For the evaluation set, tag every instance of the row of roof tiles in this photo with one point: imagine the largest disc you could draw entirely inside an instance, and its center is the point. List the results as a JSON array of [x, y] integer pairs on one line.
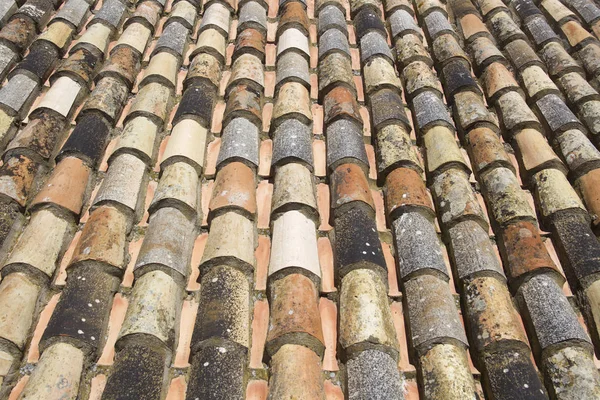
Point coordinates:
[[297, 339]]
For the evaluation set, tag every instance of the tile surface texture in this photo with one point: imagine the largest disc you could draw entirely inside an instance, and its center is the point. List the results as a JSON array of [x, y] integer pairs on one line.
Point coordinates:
[[299, 199]]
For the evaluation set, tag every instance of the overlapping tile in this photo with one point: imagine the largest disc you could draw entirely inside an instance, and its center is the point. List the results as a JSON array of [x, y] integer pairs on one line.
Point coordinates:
[[555, 199], [309, 200]]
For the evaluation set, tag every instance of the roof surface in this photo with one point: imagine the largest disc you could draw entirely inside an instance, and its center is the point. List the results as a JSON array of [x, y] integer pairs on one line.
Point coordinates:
[[299, 199]]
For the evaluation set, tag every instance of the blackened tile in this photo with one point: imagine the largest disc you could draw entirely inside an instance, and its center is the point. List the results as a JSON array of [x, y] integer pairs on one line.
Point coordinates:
[[197, 102], [139, 372], [457, 77], [218, 373], [88, 140], [367, 20], [357, 242], [510, 374], [224, 308], [39, 62], [84, 307]]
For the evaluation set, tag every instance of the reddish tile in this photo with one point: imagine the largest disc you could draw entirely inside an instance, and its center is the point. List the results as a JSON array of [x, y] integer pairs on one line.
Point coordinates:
[[404, 187], [267, 113], [524, 250], [294, 312], [360, 90], [107, 153], [271, 31], [355, 56], [34, 352], [86, 214], [66, 186], [312, 33], [260, 324], [340, 102], [97, 387], [348, 184], [177, 389], [217, 119], [351, 34], [61, 277], [207, 190], [262, 254], [263, 198], [326, 261], [234, 187], [314, 56], [323, 205], [225, 75], [186, 327], [134, 250], [398, 317], [372, 166], [161, 151], [233, 30], [379, 209], [394, 290], [314, 87], [364, 113], [273, 8], [257, 390], [229, 53], [317, 112], [16, 392], [149, 196], [271, 52], [411, 390], [319, 155], [269, 83], [266, 153], [328, 311], [333, 392], [117, 315], [199, 244], [212, 152]]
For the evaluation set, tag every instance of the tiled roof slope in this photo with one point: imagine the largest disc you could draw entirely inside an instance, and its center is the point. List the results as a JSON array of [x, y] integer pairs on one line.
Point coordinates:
[[299, 199]]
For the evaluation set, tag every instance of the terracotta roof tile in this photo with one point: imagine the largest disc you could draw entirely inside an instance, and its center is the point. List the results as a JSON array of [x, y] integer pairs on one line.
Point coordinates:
[[256, 260]]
